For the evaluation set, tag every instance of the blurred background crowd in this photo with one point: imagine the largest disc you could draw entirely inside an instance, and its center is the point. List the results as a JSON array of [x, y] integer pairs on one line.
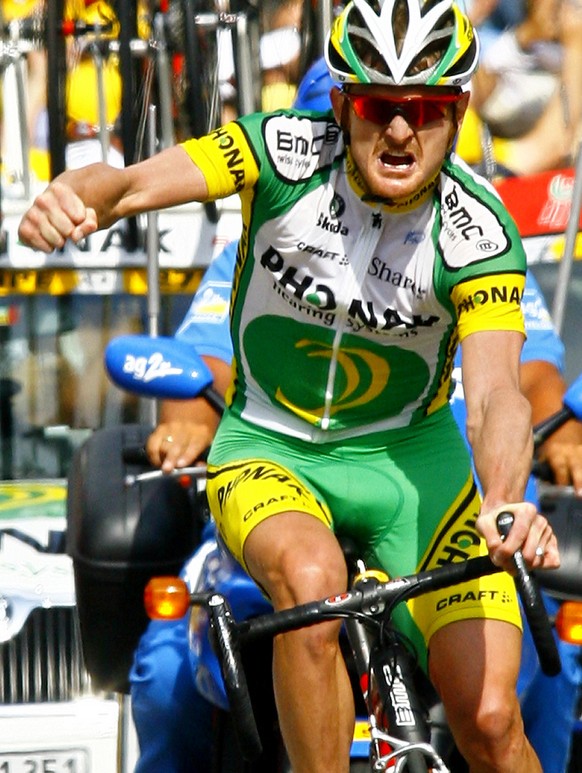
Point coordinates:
[[526, 105]]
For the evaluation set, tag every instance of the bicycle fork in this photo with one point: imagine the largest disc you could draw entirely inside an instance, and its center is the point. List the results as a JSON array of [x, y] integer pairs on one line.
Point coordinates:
[[399, 728]]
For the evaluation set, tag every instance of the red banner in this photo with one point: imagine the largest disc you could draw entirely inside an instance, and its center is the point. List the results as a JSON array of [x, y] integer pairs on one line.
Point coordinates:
[[540, 204]]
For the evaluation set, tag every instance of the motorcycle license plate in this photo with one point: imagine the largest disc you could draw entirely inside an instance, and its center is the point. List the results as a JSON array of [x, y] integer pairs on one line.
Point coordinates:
[[61, 761]]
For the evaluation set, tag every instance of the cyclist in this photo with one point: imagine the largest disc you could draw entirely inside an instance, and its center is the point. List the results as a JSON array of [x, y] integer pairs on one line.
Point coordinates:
[[368, 251], [164, 700]]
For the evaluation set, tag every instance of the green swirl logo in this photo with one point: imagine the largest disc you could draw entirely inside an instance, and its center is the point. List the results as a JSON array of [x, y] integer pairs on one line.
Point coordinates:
[[291, 360]]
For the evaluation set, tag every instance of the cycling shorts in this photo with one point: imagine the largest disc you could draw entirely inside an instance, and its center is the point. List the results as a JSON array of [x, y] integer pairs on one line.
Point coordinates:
[[406, 497]]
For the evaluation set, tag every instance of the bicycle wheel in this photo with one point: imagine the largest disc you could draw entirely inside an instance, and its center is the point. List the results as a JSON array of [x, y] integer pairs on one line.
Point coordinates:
[[56, 77], [127, 15]]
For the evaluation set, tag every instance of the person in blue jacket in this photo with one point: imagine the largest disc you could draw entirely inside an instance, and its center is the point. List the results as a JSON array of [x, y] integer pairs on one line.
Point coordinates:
[[172, 719]]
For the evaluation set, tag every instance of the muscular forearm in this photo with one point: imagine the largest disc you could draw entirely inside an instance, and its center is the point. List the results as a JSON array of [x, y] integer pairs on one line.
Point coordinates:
[[501, 441], [502, 446], [166, 179], [571, 39], [544, 387]]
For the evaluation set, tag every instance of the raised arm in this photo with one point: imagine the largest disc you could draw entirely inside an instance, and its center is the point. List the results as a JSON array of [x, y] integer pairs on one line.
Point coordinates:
[[80, 201], [499, 431]]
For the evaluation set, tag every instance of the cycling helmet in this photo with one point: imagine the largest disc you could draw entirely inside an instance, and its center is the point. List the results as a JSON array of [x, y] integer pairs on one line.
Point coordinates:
[[402, 43], [313, 91]]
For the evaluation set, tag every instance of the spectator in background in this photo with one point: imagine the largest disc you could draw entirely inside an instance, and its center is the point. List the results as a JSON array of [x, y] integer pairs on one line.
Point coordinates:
[[528, 90]]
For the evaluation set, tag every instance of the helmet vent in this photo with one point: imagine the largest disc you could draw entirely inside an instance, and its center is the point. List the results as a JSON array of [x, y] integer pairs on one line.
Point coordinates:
[[400, 23], [365, 46]]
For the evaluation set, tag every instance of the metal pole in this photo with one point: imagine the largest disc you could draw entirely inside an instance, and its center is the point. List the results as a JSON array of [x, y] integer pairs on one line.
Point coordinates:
[[20, 72], [246, 79], [123, 720], [127, 15], [153, 242], [153, 245], [324, 20], [164, 71], [97, 55], [565, 270]]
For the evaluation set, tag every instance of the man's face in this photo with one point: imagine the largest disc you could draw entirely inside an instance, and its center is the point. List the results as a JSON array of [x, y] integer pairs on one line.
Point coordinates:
[[398, 136]]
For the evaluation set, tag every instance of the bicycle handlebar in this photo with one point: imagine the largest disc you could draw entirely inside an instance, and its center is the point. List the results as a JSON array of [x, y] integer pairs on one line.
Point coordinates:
[[376, 599], [533, 606], [230, 635]]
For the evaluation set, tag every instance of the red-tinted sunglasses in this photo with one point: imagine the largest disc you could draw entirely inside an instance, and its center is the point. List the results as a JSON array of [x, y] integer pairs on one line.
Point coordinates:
[[416, 110]]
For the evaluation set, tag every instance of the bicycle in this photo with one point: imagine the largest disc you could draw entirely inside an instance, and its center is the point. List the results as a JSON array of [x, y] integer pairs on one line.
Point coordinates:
[[399, 728]]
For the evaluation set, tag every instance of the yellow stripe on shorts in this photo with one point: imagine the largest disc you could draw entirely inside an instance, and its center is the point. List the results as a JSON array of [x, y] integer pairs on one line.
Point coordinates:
[[243, 494], [457, 539]]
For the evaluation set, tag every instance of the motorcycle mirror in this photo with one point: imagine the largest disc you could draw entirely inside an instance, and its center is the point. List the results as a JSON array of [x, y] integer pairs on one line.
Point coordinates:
[[161, 367]]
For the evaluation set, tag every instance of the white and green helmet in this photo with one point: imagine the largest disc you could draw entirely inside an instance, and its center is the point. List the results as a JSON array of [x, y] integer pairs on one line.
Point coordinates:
[[402, 43]]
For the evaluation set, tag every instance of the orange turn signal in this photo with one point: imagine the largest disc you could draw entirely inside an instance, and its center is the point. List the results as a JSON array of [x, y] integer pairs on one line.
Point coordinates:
[[569, 622], [166, 598]]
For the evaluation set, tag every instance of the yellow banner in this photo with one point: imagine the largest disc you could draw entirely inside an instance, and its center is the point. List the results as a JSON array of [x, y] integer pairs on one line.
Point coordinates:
[[48, 281]]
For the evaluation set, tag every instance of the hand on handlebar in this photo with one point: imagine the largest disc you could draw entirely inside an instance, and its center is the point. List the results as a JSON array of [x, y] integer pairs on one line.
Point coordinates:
[[56, 215], [531, 533], [176, 444]]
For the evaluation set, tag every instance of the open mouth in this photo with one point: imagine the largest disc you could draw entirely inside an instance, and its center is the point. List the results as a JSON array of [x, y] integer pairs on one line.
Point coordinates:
[[397, 160]]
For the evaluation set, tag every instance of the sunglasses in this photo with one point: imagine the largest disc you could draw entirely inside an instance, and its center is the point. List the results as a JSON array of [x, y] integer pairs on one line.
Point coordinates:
[[417, 111]]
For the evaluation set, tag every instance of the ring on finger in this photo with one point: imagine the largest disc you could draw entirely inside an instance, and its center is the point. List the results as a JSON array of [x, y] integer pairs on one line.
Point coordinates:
[[540, 551], [169, 438]]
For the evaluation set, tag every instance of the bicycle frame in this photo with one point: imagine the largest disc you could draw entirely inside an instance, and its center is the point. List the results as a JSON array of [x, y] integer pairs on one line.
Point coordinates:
[[363, 603], [385, 669]]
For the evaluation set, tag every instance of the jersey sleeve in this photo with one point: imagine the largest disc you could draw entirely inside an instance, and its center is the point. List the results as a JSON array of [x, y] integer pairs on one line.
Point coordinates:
[[483, 259], [490, 302], [226, 159], [206, 323]]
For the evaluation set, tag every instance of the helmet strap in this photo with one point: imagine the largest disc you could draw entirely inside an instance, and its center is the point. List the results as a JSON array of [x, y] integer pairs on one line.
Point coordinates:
[[345, 121]]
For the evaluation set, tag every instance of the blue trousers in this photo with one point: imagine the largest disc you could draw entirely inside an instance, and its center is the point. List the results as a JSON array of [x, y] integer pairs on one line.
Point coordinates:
[[173, 721], [549, 704]]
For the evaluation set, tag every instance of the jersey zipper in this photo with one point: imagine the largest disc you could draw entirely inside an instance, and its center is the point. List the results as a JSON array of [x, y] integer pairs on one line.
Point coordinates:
[[362, 254]]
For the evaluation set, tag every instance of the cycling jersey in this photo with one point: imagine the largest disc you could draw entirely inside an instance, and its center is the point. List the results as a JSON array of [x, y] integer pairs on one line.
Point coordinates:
[[346, 312], [205, 325]]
